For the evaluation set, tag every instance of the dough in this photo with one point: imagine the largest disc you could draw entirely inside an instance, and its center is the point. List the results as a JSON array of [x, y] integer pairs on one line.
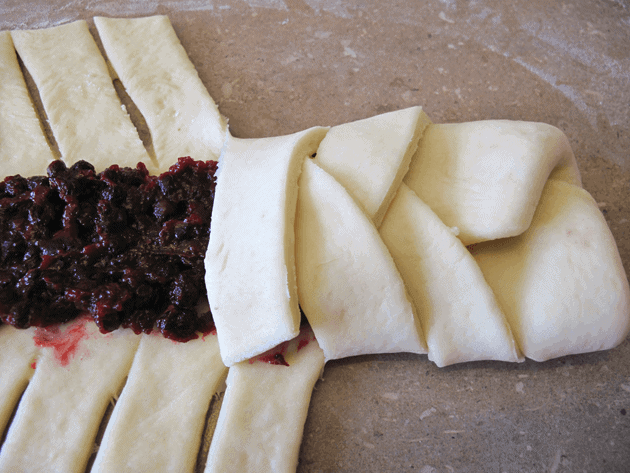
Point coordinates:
[[58, 417], [459, 313], [561, 284], [158, 420], [263, 413], [250, 262], [17, 353], [84, 112], [348, 285], [370, 157], [23, 146], [163, 83], [485, 178]]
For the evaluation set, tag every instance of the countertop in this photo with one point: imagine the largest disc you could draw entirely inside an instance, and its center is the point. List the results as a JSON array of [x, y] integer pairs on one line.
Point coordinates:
[[278, 66]]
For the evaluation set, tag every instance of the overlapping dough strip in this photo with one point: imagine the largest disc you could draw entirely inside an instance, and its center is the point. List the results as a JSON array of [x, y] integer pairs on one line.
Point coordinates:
[[84, 112]]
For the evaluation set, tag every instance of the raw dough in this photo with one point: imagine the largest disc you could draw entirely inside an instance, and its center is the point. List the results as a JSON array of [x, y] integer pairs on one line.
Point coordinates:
[[158, 420], [263, 413], [485, 178], [58, 417], [370, 157], [17, 353], [250, 262], [84, 112], [561, 284], [23, 146], [163, 83], [459, 313], [348, 285]]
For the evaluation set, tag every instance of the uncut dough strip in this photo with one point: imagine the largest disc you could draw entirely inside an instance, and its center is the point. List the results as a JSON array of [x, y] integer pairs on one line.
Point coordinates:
[[561, 283], [349, 288], [17, 352], [370, 157], [263, 413], [158, 76], [459, 313], [486, 177], [162, 407], [84, 112], [23, 146], [59, 415], [250, 262]]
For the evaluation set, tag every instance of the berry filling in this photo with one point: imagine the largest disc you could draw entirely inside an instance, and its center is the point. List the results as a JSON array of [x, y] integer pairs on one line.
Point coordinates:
[[123, 246]]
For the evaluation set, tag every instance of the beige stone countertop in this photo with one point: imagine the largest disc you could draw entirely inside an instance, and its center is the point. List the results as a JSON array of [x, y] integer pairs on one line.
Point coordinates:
[[278, 66]]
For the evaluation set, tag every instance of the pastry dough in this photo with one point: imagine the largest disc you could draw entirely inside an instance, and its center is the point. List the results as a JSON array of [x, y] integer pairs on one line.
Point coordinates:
[[370, 157], [17, 353], [348, 285], [58, 417], [163, 83], [263, 413], [158, 420], [561, 284], [485, 178], [23, 146], [459, 313], [250, 262], [84, 112]]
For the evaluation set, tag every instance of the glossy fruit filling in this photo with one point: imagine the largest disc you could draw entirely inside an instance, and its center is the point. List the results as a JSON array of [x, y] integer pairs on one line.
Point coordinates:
[[123, 246]]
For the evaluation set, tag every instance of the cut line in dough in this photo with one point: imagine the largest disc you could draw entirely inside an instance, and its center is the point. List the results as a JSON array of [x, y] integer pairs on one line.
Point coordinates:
[[85, 114]]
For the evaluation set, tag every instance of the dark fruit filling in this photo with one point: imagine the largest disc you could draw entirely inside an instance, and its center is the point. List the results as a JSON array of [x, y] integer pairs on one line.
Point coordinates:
[[121, 245]]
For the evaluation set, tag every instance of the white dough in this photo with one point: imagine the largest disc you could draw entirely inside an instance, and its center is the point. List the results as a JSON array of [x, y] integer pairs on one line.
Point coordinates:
[[159, 417], [459, 313], [84, 112], [370, 157], [349, 287], [163, 83], [17, 353], [58, 417], [23, 146], [250, 262], [263, 413], [561, 284], [485, 178]]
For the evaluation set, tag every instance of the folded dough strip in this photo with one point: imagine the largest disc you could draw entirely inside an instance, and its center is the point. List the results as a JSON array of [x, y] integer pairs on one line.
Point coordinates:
[[460, 316], [348, 285], [250, 262], [370, 157], [23, 146], [561, 283], [485, 178], [158, 420], [163, 83], [83, 109], [58, 417], [263, 413], [17, 354]]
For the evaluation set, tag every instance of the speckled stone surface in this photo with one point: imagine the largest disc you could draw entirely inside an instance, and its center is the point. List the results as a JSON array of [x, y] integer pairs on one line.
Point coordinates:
[[278, 66]]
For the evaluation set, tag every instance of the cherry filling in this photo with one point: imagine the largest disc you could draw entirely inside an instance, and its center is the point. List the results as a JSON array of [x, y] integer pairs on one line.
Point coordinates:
[[123, 246]]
